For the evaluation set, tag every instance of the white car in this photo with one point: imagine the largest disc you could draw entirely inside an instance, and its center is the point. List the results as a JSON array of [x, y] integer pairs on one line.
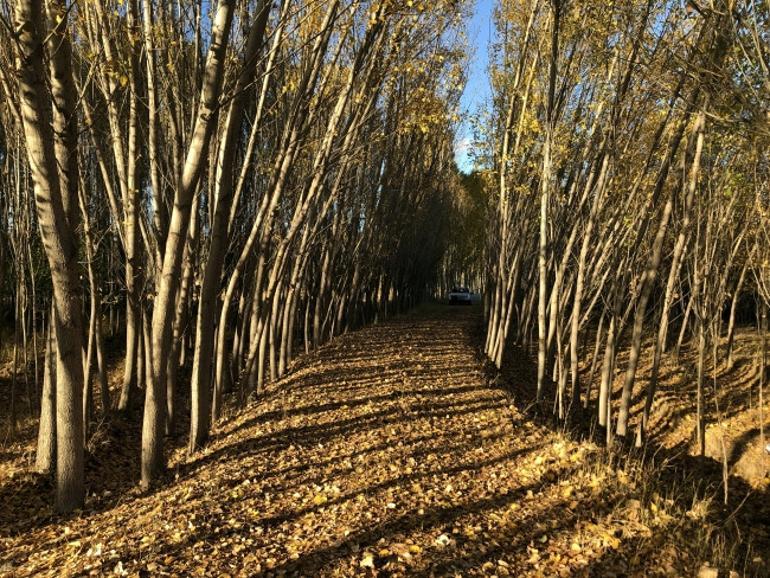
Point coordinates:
[[460, 296]]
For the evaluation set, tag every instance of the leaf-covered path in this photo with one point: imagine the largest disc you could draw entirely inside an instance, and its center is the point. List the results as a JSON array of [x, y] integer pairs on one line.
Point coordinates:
[[386, 452]]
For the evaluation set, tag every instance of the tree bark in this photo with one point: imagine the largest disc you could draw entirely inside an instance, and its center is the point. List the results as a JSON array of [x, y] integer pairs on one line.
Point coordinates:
[[154, 423], [57, 215]]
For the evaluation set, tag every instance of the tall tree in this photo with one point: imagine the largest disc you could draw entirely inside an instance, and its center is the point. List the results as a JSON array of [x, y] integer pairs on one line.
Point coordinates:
[[50, 131]]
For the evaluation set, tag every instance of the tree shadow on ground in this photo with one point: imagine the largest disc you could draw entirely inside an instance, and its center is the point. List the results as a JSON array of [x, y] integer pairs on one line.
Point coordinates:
[[740, 526], [440, 518], [254, 491], [309, 435], [111, 475], [113, 454]]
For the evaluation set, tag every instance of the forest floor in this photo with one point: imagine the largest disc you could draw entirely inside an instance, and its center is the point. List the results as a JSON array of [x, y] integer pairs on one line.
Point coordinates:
[[392, 451]]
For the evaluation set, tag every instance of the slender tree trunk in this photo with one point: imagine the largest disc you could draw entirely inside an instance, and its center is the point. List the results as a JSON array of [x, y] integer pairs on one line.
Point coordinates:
[[545, 191], [154, 423], [45, 460], [733, 309], [608, 366], [204, 340], [594, 360], [57, 215], [648, 280]]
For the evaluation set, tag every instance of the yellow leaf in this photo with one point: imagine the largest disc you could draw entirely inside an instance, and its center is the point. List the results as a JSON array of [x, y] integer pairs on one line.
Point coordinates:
[[367, 561], [320, 499]]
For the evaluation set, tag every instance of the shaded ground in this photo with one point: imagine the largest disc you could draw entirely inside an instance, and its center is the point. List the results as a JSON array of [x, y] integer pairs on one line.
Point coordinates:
[[386, 452]]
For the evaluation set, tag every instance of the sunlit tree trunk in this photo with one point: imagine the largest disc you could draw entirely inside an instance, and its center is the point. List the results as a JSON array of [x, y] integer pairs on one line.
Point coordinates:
[[154, 423], [51, 143]]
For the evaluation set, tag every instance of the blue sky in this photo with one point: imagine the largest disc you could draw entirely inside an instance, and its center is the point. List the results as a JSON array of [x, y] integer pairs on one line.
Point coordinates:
[[477, 90]]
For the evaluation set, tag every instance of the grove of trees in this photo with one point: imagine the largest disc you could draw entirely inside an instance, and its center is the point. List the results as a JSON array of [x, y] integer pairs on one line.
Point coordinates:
[[196, 192], [215, 186], [627, 149]]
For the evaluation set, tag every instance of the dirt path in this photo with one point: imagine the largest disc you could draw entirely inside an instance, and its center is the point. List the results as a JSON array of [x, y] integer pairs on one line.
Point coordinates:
[[386, 452]]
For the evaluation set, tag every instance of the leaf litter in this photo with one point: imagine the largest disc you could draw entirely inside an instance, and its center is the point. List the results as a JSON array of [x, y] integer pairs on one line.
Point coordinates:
[[387, 452]]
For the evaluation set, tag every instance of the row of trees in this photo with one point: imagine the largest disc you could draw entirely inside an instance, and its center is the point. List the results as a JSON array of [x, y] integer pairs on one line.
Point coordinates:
[[628, 143], [244, 179]]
